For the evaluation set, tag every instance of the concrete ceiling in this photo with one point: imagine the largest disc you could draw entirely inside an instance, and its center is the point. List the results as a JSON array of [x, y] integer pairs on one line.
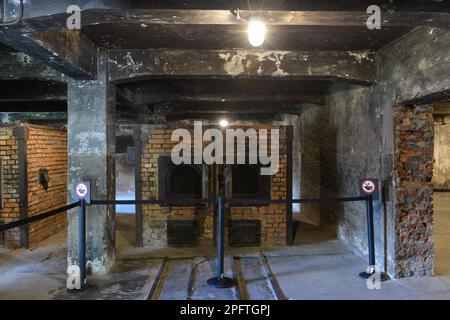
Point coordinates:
[[329, 35], [238, 98], [223, 87]]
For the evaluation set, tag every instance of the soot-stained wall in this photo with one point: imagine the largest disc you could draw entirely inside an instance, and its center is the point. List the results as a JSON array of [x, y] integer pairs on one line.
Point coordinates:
[[341, 143], [360, 132]]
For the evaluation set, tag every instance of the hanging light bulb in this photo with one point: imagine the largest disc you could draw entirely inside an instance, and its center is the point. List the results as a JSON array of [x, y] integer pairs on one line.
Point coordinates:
[[256, 32], [224, 123]]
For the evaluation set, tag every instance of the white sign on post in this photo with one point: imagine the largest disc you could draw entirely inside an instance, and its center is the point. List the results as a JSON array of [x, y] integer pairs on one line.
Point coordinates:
[[83, 191], [369, 187]]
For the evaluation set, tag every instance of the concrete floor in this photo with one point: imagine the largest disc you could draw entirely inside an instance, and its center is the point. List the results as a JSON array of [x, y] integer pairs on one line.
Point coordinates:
[[317, 267]]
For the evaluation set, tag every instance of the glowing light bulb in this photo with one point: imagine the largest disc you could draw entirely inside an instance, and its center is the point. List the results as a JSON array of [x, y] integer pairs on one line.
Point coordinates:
[[224, 123], [256, 32]]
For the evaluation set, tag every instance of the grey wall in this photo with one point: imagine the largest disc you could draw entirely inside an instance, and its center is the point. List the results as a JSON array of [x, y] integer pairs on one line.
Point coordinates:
[[417, 66], [91, 149], [352, 137], [413, 70], [312, 139], [342, 142], [354, 134]]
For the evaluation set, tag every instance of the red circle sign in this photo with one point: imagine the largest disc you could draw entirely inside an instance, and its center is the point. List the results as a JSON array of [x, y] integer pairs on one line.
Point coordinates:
[[368, 186], [82, 190]]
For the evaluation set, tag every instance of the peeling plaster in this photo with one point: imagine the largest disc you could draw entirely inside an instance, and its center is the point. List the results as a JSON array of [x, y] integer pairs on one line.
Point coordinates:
[[86, 145], [130, 64], [361, 56], [236, 64], [278, 59], [233, 66]]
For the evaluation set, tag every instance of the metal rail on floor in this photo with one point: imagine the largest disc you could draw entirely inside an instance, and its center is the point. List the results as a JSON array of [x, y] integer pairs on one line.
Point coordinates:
[[219, 281]]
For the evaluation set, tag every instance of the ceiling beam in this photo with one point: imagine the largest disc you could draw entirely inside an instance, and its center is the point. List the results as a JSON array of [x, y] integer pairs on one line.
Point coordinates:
[[38, 8], [126, 65], [44, 117], [34, 106], [18, 65], [275, 18], [265, 117], [238, 90], [19, 90], [39, 15], [231, 98], [68, 51], [144, 97], [250, 108]]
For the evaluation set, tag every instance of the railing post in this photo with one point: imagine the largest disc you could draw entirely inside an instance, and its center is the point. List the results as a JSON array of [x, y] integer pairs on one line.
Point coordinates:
[[82, 242], [370, 238], [220, 252], [220, 281]]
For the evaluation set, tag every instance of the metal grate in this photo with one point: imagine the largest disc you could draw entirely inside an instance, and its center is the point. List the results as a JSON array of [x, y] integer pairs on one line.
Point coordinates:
[[245, 233], [182, 233]]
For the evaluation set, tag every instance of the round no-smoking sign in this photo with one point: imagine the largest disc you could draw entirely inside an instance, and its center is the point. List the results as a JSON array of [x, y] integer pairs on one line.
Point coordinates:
[[82, 190], [369, 187]]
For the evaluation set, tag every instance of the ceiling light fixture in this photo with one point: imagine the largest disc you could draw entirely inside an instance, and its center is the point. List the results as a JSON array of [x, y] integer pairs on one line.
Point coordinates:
[[224, 123], [256, 32]]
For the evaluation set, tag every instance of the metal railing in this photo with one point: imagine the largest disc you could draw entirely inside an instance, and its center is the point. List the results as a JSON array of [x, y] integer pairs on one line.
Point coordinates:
[[167, 202], [220, 203], [42, 216], [220, 281]]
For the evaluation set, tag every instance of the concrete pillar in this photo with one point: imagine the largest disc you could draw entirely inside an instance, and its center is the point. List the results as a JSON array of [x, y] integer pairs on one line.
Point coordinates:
[[91, 144]]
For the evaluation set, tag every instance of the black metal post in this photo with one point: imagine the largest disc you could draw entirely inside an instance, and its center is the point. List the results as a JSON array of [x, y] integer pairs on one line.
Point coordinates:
[[220, 281], [370, 238], [82, 242]]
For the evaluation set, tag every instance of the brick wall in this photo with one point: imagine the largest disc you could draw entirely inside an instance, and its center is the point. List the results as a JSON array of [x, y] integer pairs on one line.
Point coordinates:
[[156, 142], [11, 208], [272, 217], [46, 149], [413, 172]]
